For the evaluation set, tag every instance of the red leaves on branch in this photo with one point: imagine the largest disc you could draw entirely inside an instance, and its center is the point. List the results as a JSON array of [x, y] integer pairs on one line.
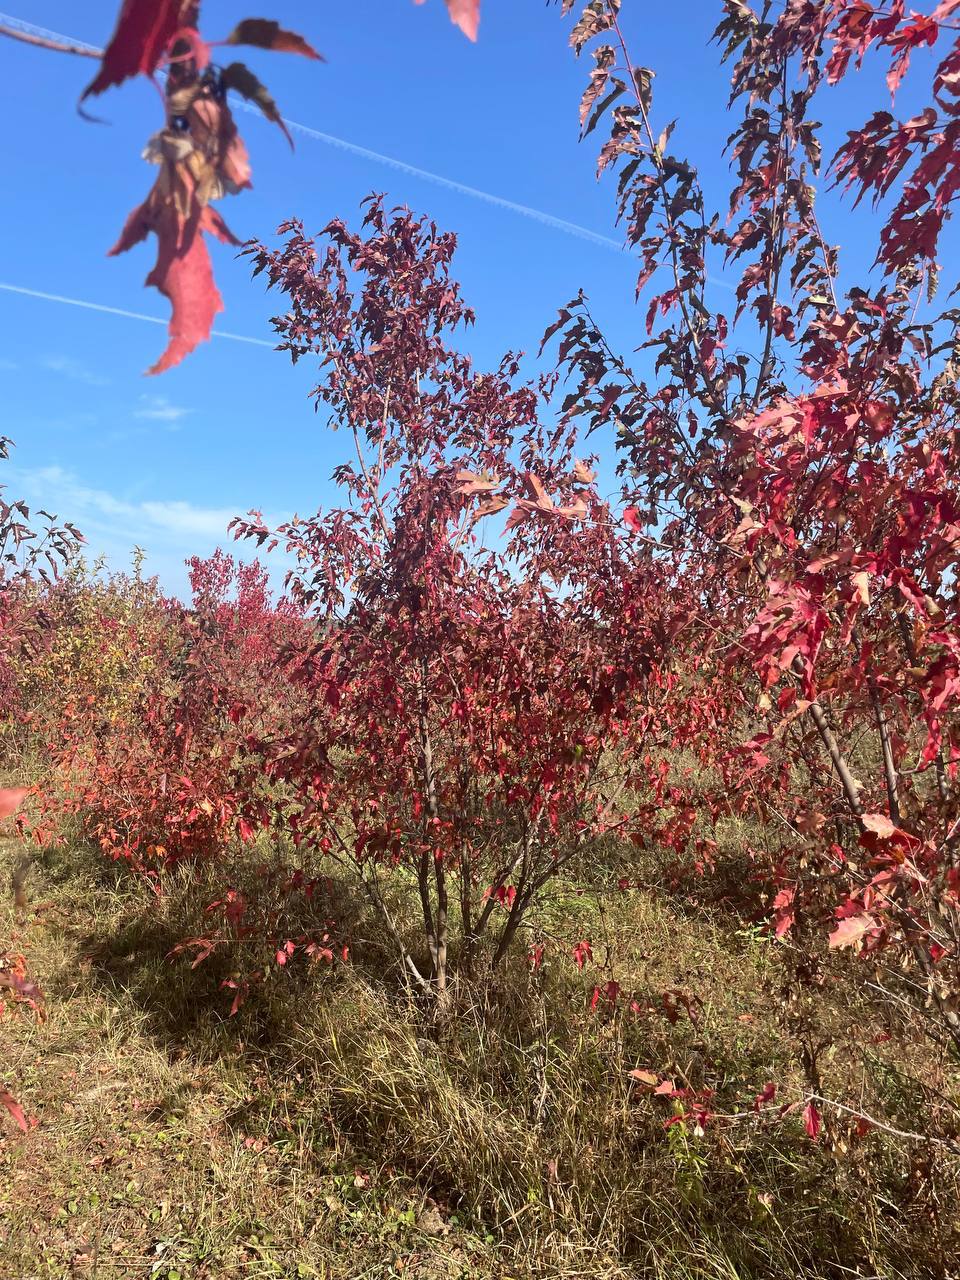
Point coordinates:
[[468, 690], [199, 151], [797, 463]]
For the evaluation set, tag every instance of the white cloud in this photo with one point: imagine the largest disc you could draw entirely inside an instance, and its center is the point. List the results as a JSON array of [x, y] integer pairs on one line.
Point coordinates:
[[75, 369], [177, 518], [167, 529], [159, 409]]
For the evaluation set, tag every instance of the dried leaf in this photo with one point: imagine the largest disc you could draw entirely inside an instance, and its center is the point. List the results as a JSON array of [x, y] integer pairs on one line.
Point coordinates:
[[241, 79], [266, 34]]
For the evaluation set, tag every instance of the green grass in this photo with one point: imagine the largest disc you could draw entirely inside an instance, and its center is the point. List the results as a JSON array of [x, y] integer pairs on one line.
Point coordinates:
[[331, 1130]]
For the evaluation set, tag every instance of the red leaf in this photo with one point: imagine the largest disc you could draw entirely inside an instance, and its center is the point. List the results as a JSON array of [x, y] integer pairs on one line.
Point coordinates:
[[851, 930], [811, 1121], [143, 32], [11, 798], [880, 824], [183, 271], [466, 15], [21, 985], [9, 1101], [766, 1094], [266, 34]]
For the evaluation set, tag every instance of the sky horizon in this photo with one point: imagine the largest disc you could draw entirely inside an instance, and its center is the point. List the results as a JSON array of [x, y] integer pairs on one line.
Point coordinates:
[[483, 138]]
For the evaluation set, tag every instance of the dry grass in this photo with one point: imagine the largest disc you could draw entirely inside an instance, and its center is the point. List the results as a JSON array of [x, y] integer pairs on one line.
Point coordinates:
[[331, 1130]]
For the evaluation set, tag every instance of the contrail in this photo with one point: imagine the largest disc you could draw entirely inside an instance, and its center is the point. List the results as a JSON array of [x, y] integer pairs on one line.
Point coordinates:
[[365, 153], [451, 184], [118, 311], [550, 220]]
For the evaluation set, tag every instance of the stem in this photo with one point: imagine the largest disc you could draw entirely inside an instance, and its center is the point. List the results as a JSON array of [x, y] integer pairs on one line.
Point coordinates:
[[46, 42], [847, 780], [889, 766]]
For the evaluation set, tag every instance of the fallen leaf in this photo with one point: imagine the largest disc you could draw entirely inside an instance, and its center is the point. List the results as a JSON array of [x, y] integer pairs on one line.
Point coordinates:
[[644, 1077], [9, 1101]]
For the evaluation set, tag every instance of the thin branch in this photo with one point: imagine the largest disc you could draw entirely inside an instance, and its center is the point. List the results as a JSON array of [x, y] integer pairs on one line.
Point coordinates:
[[43, 42], [886, 1128]]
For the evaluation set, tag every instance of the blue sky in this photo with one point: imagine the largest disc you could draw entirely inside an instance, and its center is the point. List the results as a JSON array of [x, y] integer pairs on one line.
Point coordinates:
[[165, 462]]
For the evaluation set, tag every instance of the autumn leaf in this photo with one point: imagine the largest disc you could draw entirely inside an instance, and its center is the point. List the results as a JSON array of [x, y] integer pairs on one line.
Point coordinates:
[[811, 1121], [465, 14], [468, 483], [879, 824], [861, 586], [21, 986], [851, 930], [266, 34], [183, 271], [143, 33], [765, 1096], [9, 1101], [644, 1077], [11, 798], [242, 80]]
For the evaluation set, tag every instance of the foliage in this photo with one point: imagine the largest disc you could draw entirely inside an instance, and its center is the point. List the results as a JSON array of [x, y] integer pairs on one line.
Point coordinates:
[[152, 762], [805, 482], [27, 555], [471, 702], [199, 152], [487, 677]]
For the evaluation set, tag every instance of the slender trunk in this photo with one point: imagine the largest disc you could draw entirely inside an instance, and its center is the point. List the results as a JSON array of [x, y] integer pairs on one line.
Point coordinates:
[[851, 791], [435, 920], [889, 765]]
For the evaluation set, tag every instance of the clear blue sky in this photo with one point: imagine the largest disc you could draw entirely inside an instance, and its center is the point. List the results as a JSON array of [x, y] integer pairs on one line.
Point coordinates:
[[165, 462]]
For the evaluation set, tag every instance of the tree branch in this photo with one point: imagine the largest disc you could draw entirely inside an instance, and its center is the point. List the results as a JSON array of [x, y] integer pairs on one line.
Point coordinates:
[[45, 42]]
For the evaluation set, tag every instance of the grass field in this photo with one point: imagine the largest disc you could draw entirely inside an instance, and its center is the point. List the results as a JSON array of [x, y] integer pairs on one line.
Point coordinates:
[[328, 1130]]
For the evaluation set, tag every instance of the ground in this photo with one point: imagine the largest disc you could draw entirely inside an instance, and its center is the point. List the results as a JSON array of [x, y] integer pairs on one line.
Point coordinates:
[[325, 1132]]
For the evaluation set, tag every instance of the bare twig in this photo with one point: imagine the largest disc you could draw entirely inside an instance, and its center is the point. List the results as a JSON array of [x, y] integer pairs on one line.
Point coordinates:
[[45, 42]]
